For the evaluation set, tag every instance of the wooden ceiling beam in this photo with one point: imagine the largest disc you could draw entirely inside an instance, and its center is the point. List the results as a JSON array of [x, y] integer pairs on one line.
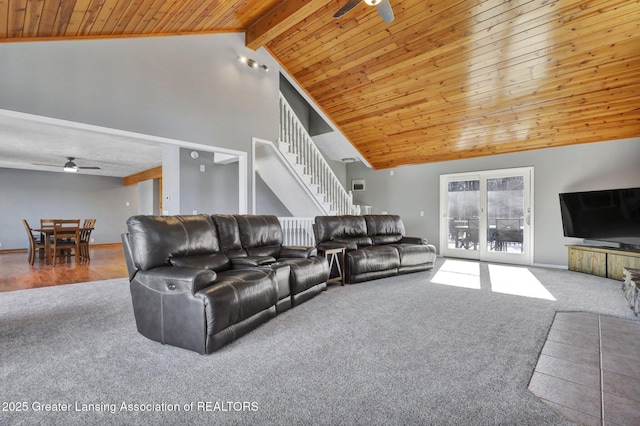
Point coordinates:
[[283, 16], [154, 173]]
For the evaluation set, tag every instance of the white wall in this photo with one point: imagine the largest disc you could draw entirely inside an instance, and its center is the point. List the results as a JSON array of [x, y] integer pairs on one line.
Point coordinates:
[[214, 190], [35, 195], [148, 197], [592, 166], [170, 180]]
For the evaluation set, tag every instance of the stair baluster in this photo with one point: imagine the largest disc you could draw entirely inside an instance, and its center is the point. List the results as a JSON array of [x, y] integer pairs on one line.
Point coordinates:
[[309, 161]]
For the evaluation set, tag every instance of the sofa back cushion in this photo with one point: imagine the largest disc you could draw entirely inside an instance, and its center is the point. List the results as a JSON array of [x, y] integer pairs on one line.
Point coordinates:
[[347, 229], [384, 229], [261, 235], [229, 235], [156, 239]]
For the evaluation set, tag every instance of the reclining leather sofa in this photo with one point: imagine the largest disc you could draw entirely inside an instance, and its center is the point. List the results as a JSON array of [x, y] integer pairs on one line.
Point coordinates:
[[376, 246], [199, 282]]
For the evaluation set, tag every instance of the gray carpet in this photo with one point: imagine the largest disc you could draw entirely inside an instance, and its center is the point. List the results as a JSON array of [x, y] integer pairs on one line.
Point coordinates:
[[395, 351]]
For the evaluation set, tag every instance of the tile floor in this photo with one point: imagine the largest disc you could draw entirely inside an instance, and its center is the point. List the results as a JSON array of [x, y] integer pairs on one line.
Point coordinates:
[[589, 369]]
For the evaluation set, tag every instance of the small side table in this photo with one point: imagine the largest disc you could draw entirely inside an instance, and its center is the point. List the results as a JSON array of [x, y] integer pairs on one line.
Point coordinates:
[[335, 256]]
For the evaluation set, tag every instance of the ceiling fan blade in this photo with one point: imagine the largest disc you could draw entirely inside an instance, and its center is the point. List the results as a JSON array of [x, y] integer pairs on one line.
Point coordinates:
[[71, 165], [47, 165], [385, 11], [346, 8]]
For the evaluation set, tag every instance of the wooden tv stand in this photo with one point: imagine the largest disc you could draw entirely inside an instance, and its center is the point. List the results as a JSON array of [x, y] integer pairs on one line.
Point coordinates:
[[602, 261]]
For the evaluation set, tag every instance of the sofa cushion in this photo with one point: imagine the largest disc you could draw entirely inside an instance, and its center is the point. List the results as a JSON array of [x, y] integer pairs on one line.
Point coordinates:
[[414, 254], [260, 235], [351, 231], [372, 259], [229, 235], [306, 273], [384, 229], [154, 239], [236, 296], [213, 261]]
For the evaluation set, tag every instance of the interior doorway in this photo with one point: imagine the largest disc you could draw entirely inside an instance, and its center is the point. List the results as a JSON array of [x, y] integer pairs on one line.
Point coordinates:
[[488, 215]]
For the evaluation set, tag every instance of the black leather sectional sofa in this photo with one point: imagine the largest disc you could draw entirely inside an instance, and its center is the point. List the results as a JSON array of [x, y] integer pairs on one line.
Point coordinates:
[[376, 246], [199, 282]]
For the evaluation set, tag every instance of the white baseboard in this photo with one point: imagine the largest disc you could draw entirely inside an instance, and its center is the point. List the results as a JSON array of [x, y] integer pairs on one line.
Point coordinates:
[[549, 265]]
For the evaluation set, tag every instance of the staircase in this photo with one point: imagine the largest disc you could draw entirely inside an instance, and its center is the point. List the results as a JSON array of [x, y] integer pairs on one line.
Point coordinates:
[[297, 173]]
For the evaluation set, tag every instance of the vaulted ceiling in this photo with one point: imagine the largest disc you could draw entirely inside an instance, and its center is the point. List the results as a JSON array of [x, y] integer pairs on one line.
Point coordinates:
[[447, 79]]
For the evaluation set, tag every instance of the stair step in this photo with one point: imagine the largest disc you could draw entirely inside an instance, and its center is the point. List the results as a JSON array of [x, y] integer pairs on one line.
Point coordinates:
[[291, 158], [284, 147]]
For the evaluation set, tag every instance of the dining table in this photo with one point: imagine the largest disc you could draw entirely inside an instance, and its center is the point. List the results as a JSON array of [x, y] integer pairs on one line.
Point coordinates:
[[46, 236]]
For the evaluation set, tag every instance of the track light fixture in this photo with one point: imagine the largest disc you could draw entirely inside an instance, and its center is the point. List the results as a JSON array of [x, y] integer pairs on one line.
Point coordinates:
[[252, 63]]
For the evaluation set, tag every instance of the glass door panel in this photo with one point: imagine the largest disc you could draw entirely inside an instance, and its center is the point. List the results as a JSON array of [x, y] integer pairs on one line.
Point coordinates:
[[505, 214], [508, 215], [463, 217]]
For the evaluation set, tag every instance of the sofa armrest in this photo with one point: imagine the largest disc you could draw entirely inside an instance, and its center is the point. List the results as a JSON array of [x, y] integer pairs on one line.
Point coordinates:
[[176, 279], [328, 245], [251, 261], [414, 240], [298, 252]]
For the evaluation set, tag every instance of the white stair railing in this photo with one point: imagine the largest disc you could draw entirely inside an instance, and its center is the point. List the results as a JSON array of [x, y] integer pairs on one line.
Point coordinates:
[[297, 231], [318, 172]]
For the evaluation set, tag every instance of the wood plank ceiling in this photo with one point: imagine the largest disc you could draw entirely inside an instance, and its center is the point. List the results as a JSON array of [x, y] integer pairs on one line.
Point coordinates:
[[447, 79]]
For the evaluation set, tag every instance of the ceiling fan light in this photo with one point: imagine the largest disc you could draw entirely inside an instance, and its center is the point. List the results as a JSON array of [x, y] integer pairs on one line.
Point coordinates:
[[372, 2], [70, 166]]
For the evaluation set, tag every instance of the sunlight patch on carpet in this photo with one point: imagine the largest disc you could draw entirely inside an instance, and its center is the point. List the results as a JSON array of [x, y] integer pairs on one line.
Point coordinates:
[[458, 274], [517, 281]]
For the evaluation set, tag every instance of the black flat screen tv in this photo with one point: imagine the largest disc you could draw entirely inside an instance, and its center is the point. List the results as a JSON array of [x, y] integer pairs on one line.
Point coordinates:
[[608, 216]]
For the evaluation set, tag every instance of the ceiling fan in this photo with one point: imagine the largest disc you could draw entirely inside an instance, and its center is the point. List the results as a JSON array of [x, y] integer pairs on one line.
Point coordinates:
[[69, 166], [383, 6]]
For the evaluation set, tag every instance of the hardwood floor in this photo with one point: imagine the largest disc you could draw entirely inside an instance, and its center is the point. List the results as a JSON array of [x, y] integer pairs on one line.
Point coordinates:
[[107, 262]]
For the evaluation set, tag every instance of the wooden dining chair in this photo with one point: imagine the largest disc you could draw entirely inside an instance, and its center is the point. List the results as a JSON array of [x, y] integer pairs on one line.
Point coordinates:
[[47, 223], [85, 238], [66, 238], [35, 243]]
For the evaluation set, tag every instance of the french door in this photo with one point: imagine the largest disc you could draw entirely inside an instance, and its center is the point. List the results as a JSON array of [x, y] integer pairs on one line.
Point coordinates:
[[488, 215]]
